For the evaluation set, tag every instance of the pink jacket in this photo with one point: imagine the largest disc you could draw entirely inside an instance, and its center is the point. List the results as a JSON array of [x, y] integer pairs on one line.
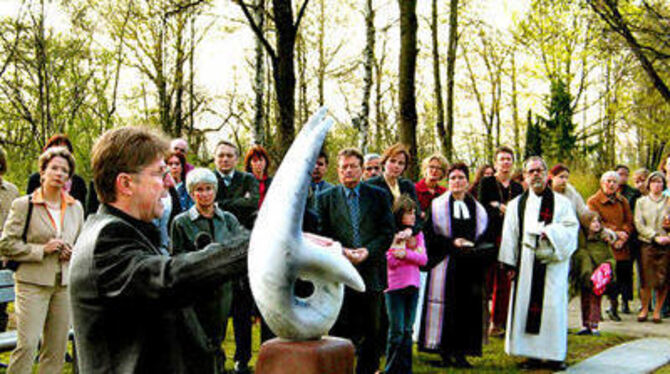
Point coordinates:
[[405, 272]]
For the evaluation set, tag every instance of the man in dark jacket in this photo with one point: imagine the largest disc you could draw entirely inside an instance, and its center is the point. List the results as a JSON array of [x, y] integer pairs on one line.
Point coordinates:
[[238, 194], [358, 215], [132, 303]]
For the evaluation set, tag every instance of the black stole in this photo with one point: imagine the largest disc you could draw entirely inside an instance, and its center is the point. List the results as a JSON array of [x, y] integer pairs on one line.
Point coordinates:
[[534, 317]]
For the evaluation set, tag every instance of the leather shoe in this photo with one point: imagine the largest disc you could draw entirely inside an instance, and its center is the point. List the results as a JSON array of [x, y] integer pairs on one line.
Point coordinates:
[[614, 316], [585, 331], [530, 364], [496, 332], [657, 320], [642, 318], [556, 365], [461, 362]]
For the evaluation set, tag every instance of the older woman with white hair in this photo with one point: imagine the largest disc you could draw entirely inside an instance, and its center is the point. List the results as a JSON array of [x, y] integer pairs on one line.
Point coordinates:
[[617, 216], [191, 231]]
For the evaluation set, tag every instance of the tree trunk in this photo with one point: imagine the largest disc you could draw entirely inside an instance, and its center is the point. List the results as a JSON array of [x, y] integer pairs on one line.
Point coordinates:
[[437, 79], [284, 73], [179, 76], [321, 71], [451, 71], [516, 131], [406, 77], [362, 121], [259, 82]]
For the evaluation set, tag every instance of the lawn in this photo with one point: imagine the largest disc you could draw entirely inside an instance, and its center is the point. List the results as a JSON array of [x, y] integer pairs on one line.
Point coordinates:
[[493, 360]]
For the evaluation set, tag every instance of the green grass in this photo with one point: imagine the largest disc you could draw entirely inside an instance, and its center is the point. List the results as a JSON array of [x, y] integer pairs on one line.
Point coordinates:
[[493, 359]]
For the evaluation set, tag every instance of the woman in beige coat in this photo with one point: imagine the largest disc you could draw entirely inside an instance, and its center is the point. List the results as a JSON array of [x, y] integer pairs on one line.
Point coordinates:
[[43, 253], [652, 223]]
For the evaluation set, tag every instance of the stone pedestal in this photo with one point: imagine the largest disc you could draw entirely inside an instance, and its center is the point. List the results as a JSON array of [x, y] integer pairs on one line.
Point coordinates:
[[329, 355]]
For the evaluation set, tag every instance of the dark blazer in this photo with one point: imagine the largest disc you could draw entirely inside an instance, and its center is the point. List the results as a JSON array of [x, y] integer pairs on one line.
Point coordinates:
[[132, 305], [240, 198], [406, 187], [92, 202], [78, 190], [376, 228]]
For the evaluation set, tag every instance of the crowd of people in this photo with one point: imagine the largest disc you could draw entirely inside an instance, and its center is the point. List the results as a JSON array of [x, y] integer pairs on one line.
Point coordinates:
[[447, 263]]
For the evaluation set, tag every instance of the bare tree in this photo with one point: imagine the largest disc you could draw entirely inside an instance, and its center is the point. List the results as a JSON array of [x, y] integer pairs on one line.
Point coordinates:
[[648, 42], [362, 120], [282, 58], [406, 80]]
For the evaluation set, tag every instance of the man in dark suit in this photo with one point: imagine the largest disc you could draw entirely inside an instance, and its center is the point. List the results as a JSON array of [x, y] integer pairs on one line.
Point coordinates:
[[318, 183], [359, 216], [238, 194]]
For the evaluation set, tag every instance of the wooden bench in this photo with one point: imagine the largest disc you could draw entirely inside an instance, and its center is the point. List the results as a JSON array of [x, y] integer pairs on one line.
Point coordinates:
[[9, 338]]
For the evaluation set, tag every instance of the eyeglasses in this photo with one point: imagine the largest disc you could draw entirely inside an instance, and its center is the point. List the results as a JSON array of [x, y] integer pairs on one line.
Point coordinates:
[[535, 171], [371, 168]]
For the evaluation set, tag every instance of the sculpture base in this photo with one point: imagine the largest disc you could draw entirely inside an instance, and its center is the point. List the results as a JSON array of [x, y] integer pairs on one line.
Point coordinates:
[[329, 355]]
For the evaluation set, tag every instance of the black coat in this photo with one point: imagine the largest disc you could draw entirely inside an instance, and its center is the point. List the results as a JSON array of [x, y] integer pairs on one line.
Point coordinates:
[[407, 187], [376, 228], [240, 198], [491, 190], [132, 304]]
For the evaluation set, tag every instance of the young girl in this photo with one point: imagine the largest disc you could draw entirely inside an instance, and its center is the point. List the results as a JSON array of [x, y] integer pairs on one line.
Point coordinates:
[[406, 254]]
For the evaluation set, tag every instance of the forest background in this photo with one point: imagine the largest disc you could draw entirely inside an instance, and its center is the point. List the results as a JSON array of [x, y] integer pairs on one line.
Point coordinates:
[[584, 81]]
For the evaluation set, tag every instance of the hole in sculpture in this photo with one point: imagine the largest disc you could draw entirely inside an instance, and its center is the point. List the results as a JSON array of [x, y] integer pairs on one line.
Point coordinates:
[[303, 288]]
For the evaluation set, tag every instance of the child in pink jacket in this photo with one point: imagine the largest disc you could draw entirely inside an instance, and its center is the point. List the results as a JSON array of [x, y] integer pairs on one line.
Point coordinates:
[[406, 254]]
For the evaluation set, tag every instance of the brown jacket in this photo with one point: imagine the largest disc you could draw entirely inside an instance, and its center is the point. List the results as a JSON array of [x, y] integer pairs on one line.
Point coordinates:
[[36, 267], [616, 216]]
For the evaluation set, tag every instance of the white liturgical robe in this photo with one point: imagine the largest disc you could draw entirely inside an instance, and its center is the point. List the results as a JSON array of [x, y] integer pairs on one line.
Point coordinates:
[[555, 251]]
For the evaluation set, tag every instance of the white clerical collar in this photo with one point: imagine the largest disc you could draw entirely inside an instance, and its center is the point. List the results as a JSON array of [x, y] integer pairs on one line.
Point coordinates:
[[461, 210]]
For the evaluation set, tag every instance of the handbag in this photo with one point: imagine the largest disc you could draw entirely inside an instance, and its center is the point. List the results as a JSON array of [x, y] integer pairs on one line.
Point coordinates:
[[601, 277], [14, 265]]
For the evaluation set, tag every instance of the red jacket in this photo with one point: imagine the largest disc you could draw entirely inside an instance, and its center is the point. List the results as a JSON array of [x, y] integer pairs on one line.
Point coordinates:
[[424, 194]]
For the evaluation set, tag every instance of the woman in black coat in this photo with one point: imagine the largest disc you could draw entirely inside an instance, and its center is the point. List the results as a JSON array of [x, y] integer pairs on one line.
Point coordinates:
[[395, 160]]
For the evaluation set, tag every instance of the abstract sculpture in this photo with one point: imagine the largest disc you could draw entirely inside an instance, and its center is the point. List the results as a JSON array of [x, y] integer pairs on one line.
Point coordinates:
[[279, 253]]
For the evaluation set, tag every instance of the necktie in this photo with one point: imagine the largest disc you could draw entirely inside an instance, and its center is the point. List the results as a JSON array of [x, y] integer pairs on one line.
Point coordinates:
[[354, 212], [227, 179]]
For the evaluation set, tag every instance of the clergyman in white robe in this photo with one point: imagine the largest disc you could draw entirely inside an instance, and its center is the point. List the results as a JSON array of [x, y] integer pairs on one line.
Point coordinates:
[[561, 241]]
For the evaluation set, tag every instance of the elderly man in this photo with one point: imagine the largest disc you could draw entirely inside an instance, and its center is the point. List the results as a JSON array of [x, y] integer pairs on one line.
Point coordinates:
[[358, 215], [133, 304], [539, 236], [180, 145], [371, 166]]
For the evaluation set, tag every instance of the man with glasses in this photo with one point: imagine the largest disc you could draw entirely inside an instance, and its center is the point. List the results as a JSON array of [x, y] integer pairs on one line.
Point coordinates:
[[132, 305], [539, 236]]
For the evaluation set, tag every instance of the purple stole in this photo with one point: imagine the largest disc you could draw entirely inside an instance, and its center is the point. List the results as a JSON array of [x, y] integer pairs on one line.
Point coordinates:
[[434, 307]]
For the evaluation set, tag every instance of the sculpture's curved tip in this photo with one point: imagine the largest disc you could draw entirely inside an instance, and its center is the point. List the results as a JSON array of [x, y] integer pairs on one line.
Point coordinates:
[[329, 263]]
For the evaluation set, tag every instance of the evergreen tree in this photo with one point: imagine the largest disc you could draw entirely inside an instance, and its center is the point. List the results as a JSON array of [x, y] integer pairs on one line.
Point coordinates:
[[560, 134], [533, 137]]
